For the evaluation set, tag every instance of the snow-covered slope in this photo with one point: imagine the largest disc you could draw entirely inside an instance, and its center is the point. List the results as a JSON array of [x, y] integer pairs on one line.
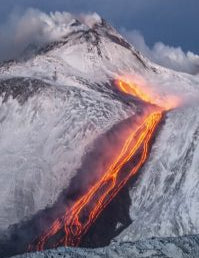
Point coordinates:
[[57, 100]]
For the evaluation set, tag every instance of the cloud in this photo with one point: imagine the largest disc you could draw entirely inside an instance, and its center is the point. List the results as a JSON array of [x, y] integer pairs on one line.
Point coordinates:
[[171, 57]]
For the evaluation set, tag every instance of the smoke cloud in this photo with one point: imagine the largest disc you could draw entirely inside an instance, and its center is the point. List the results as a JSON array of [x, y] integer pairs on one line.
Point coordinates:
[[33, 29], [170, 57]]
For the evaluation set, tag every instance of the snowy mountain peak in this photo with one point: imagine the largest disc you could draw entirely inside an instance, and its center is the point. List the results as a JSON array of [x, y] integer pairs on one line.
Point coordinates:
[[90, 29]]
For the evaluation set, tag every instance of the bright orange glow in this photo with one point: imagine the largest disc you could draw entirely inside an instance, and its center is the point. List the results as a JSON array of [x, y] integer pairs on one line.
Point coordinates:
[[132, 89], [77, 219]]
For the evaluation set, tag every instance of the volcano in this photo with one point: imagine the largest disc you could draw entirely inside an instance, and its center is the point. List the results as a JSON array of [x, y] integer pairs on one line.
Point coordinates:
[[86, 120]]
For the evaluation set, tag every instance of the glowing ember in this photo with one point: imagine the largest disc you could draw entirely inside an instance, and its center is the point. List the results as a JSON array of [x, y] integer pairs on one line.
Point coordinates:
[[69, 229]]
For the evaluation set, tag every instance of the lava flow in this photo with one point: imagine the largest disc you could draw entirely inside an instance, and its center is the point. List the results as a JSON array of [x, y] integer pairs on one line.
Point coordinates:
[[69, 229]]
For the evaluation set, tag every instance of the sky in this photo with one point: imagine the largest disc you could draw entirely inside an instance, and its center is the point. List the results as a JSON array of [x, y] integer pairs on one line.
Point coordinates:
[[165, 31]]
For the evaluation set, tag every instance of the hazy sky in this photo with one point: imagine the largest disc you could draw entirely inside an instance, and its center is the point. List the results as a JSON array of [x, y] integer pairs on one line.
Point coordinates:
[[174, 22]]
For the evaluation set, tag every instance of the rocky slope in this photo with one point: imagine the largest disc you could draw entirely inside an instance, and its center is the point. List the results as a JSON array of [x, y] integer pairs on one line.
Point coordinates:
[[182, 247]]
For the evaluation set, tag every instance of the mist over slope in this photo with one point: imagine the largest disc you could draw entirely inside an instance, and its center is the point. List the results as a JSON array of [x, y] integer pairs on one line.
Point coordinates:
[[58, 99]]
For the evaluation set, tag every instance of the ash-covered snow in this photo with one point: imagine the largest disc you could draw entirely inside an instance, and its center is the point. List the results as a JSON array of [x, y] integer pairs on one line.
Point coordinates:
[[45, 134]]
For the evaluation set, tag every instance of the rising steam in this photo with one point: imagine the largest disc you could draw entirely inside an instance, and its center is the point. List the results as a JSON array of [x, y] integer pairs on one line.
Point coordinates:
[[35, 28]]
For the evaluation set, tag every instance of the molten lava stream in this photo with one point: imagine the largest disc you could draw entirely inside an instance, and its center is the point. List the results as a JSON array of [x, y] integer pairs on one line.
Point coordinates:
[[81, 215]]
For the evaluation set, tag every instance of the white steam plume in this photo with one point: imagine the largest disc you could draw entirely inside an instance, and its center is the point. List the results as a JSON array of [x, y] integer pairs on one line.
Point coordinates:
[[35, 28], [170, 57]]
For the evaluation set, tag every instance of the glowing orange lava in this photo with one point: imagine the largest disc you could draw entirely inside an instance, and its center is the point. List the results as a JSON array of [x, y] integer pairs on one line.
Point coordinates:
[[69, 229], [133, 89]]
